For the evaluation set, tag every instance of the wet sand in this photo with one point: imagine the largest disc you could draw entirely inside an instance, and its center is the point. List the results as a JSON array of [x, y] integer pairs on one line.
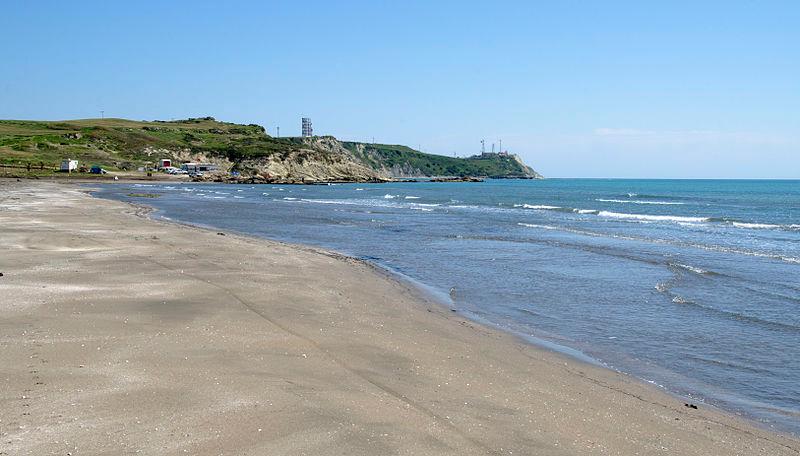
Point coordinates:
[[122, 335]]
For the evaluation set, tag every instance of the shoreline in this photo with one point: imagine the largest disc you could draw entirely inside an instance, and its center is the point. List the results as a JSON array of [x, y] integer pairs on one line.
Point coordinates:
[[480, 391], [424, 292], [428, 293], [440, 297]]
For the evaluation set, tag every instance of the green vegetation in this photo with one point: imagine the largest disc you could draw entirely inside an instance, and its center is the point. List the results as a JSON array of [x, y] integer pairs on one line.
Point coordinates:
[[120, 144], [389, 156]]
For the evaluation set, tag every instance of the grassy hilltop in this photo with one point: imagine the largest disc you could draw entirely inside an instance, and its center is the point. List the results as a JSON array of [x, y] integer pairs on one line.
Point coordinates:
[[120, 144], [421, 164], [126, 145]]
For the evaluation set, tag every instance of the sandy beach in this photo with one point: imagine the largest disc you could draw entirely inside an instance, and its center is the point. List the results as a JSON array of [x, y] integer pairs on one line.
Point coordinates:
[[123, 335]]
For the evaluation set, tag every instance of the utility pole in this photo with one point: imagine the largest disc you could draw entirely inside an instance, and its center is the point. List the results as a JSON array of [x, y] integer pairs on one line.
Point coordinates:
[[483, 146], [279, 132], [102, 114]]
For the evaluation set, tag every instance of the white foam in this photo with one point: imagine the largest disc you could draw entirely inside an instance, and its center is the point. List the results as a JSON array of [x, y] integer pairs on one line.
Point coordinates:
[[652, 218], [412, 197], [388, 196], [533, 225], [665, 203], [756, 226], [537, 206], [324, 201], [694, 269], [680, 300]]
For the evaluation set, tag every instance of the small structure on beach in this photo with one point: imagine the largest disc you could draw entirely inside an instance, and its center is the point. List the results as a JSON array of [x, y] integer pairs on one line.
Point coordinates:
[[69, 165], [199, 167], [165, 163]]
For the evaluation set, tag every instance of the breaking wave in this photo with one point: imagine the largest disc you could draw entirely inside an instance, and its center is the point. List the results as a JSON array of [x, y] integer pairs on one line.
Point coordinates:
[[694, 269], [757, 226], [537, 206], [544, 227], [653, 218], [662, 203]]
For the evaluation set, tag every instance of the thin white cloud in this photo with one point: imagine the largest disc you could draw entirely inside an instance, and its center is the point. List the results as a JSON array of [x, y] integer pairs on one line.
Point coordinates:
[[674, 137]]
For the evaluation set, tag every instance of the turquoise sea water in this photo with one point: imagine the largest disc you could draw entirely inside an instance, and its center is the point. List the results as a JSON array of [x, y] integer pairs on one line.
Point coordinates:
[[693, 285]]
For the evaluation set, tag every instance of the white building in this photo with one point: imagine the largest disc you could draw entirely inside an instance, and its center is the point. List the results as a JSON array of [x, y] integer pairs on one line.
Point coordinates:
[[68, 165], [199, 167]]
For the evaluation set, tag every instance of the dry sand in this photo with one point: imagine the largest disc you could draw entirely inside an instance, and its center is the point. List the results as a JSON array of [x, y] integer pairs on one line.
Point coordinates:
[[121, 335]]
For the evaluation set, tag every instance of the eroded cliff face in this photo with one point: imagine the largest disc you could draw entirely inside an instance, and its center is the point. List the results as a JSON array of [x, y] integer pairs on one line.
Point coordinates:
[[318, 159], [528, 170], [405, 170], [321, 159]]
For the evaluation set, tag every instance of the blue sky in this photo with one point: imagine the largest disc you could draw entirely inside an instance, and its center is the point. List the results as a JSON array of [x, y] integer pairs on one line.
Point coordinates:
[[585, 89]]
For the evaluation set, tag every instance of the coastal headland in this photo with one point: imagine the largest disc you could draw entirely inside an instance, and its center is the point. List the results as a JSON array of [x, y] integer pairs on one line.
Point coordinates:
[[211, 150], [125, 335]]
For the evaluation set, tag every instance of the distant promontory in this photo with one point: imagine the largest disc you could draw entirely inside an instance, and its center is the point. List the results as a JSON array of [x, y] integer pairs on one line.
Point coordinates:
[[244, 151]]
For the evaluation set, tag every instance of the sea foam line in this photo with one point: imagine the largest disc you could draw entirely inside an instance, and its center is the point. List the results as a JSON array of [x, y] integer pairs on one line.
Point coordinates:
[[544, 227], [537, 206], [663, 203], [694, 269], [758, 226], [654, 218]]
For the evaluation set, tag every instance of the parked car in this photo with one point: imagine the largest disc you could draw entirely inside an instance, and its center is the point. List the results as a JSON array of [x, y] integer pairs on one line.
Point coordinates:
[[97, 170]]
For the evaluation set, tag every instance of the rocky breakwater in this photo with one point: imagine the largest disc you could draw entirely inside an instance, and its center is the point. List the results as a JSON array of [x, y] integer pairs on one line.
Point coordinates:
[[457, 179]]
